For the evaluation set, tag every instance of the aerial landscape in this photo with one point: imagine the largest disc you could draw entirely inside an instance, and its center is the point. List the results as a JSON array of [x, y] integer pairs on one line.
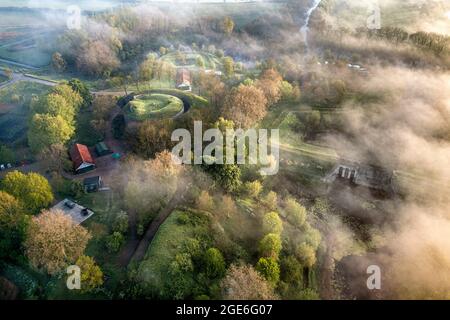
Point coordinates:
[[225, 150]]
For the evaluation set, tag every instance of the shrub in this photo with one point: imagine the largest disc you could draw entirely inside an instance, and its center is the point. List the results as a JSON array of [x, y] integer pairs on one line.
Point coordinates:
[[114, 242]]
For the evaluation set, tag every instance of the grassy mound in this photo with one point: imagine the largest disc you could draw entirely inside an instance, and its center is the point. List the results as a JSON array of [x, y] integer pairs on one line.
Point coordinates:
[[154, 106]]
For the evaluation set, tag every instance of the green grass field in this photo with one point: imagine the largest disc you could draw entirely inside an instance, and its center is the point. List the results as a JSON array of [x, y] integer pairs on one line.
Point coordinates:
[[153, 106], [153, 271], [211, 60]]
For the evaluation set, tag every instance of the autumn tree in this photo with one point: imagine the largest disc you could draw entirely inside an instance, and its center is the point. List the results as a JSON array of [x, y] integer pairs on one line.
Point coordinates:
[[228, 206], [270, 200], [97, 58], [102, 107], [253, 189], [58, 62], [228, 66], [54, 158], [245, 105], [54, 241], [227, 25], [91, 274], [13, 225], [270, 83], [296, 213], [210, 87], [32, 190], [306, 255], [205, 201], [270, 246], [73, 97], [55, 104], [245, 283], [272, 223], [153, 137], [46, 130], [150, 184]]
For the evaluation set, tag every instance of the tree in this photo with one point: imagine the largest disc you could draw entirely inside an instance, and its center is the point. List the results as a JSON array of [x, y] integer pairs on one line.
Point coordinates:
[[245, 105], [291, 271], [121, 222], [13, 226], [270, 83], [253, 189], [205, 201], [214, 263], [46, 130], [83, 90], [296, 213], [54, 241], [153, 137], [227, 25], [211, 87], [270, 246], [272, 223], [306, 255], [31, 189], [91, 274], [97, 58], [244, 283], [228, 206], [271, 200], [200, 62], [72, 96], [228, 66], [58, 62], [119, 126], [269, 269], [114, 242], [54, 157], [227, 175], [6, 155], [55, 105]]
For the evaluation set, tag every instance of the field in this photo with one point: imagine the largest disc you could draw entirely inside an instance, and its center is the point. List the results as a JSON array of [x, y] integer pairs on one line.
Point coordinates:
[[27, 37], [154, 106], [211, 60], [413, 16], [153, 271]]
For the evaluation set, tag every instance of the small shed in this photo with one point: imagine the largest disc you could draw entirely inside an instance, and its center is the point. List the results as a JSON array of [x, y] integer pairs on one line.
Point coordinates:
[[102, 149], [92, 184]]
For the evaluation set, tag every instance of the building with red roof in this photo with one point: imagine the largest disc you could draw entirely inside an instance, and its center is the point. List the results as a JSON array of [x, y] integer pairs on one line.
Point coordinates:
[[81, 158], [184, 80]]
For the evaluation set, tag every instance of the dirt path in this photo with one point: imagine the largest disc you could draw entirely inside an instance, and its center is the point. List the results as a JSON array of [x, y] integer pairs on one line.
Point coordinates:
[[144, 244]]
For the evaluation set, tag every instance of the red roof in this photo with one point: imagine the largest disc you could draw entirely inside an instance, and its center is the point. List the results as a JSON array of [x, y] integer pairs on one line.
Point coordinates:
[[183, 76], [80, 154]]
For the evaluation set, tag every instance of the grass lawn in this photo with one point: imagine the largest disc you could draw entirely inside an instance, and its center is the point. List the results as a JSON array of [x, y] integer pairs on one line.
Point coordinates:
[[153, 271], [211, 60], [154, 106]]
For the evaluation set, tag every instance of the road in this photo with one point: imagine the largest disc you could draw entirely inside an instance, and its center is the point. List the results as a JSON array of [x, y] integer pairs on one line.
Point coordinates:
[[17, 77]]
